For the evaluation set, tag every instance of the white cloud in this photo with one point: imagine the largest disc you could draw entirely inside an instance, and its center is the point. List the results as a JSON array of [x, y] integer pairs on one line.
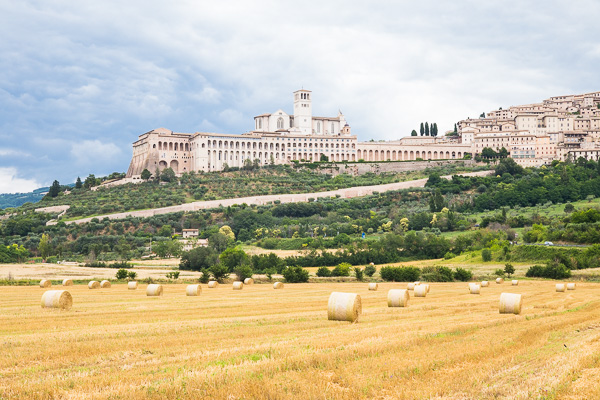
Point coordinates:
[[10, 183], [90, 152]]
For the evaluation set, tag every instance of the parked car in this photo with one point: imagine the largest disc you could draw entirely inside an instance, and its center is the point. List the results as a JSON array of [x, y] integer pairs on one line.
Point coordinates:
[[549, 243]]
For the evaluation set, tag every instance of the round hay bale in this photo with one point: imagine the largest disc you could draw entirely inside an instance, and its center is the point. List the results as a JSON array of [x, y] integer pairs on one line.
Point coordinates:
[[474, 288], [248, 281], [278, 285], [238, 285], [510, 303], [410, 286], [193, 290], [213, 284], [371, 263], [515, 282], [67, 282], [105, 284], [417, 283], [426, 285], [94, 285], [344, 307], [44, 283], [398, 298], [499, 281], [485, 284], [561, 287], [154, 290], [373, 286], [420, 290], [57, 299], [570, 286], [132, 285]]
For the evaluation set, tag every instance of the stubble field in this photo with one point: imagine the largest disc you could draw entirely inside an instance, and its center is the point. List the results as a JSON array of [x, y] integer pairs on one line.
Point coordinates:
[[260, 343]]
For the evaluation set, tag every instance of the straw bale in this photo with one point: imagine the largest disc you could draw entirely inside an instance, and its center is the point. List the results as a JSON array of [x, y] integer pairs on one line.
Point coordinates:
[[410, 286], [57, 299], [94, 285], [45, 283], [105, 284], [474, 288], [193, 290], [248, 281], [561, 287], [67, 282], [398, 298], [420, 290], [515, 282], [213, 284], [154, 290], [278, 285], [485, 284], [499, 280], [344, 307], [132, 285], [510, 303], [237, 285], [570, 286], [373, 286]]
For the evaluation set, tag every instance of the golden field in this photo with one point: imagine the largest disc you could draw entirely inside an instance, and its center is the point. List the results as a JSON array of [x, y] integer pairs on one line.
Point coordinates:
[[260, 343]]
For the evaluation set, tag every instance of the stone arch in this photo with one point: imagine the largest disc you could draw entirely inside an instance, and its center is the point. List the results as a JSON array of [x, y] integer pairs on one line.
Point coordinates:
[[162, 165], [174, 165]]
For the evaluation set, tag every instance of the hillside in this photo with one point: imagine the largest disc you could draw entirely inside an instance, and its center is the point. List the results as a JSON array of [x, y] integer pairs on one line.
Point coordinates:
[[18, 199]]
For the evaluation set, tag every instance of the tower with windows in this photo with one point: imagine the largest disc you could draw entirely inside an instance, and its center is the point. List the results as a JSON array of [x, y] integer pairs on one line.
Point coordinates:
[[303, 111]]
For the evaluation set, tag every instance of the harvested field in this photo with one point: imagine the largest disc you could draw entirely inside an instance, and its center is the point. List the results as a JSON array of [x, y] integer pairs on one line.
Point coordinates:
[[261, 343]]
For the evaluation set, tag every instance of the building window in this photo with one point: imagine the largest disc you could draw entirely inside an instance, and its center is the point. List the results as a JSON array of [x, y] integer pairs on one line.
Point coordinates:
[[279, 123]]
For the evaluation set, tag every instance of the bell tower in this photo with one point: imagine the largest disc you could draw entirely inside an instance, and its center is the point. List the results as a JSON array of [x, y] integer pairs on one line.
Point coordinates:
[[303, 111]]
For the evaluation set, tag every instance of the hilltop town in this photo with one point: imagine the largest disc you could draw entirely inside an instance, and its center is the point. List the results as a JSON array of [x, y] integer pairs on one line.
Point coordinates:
[[558, 128]]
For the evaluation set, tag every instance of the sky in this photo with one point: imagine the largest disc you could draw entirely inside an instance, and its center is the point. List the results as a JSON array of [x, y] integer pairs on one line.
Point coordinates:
[[81, 80]]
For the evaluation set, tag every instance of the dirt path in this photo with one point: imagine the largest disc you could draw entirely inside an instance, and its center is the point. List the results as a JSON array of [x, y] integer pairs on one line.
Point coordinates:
[[268, 199]]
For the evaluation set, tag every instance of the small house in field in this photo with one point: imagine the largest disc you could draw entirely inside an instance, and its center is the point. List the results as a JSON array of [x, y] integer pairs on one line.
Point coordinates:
[[189, 233]]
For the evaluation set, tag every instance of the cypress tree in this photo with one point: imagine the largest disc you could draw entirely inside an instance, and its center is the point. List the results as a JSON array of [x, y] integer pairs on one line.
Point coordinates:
[[413, 133], [422, 129], [426, 129]]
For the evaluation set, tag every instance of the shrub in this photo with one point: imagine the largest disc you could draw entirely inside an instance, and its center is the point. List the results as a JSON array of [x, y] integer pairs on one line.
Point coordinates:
[[438, 274], [342, 269], [509, 269], [205, 277], [323, 272], [120, 264], [370, 270], [198, 259], [219, 272], [96, 264], [486, 254], [243, 272], [295, 275], [359, 273], [131, 275], [462, 274], [400, 274], [499, 272], [449, 255], [121, 274], [269, 243], [173, 275], [553, 270]]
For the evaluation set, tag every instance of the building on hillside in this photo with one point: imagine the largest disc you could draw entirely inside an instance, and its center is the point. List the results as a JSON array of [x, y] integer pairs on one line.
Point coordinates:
[[533, 134]]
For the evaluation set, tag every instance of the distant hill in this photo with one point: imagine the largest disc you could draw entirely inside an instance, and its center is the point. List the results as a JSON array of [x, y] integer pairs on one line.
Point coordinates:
[[17, 199]]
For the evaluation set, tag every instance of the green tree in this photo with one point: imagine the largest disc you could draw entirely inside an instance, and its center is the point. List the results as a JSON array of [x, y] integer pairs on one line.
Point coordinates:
[[413, 133], [168, 175], [233, 258], [455, 130], [226, 230], [122, 274], [434, 129], [218, 242], [198, 259], [509, 269], [569, 208], [123, 249], [486, 255], [165, 231], [78, 184], [146, 174], [436, 201], [45, 247], [295, 275], [422, 129], [324, 158], [426, 128], [54, 189], [90, 181], [370, 270], [219, 272]]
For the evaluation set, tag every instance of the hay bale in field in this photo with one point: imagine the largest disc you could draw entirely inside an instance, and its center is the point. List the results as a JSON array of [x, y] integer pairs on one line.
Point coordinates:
[[420, 290], [474, 288], [410, 286], [499, 280], [238, 285], [57, 299], [417, 283], [398, 298], [132, 285], [105, 284], [515, 282], [67, 282], [510, 303], [213, 284], [248, 281], [373, 286], [426, 285], [278, 285], [193, 290], [344, 307], [44, 283], [94, 285], [485, 284], [154, 290], [570, 286], [561, 287]]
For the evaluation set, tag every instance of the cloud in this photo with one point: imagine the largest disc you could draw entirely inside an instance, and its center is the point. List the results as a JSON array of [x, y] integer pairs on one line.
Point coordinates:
[[88, 152], [10, 183]]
